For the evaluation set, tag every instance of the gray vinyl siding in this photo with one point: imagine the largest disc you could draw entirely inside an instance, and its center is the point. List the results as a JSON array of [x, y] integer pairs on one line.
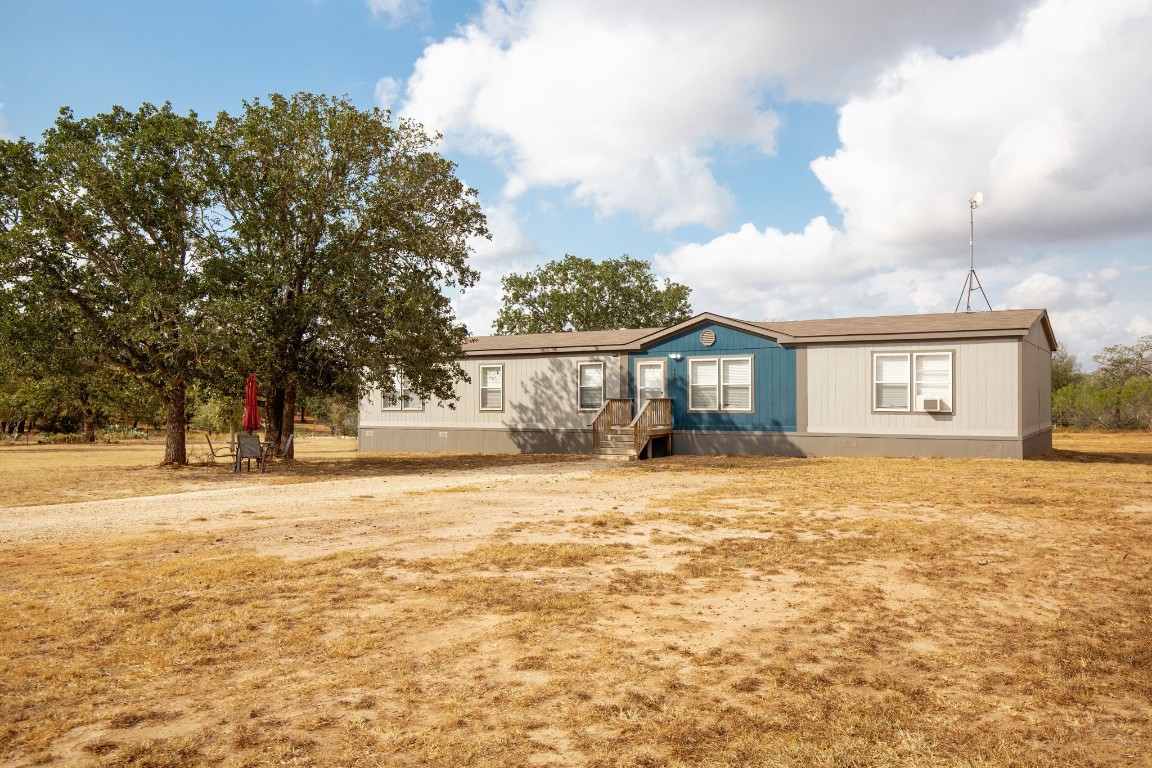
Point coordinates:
[[1036, 395], [986, 390], [539, 393]]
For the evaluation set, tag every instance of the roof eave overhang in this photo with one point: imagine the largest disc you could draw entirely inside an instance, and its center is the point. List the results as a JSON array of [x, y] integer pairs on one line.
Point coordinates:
[[709, 318], [576, 350], [1049, 334]]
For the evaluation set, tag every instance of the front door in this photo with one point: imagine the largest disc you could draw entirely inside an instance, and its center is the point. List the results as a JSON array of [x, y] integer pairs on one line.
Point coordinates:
[[650, 381]]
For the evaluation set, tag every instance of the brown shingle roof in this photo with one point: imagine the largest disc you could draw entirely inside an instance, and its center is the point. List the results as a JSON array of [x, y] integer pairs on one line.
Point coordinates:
[[1010, 322], [1019, 320], [573, 341]]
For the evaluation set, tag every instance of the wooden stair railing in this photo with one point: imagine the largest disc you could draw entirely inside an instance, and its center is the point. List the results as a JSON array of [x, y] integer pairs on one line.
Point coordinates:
[[654, 420], [616, 412]]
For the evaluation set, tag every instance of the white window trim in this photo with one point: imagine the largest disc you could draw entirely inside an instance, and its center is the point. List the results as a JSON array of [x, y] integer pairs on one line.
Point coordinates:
[[951, 377], [907, 359], [579, 389], [394, 401], [650, 361], [694, 361], [720, 384], [500, 367], [910, 364], [751, 388]]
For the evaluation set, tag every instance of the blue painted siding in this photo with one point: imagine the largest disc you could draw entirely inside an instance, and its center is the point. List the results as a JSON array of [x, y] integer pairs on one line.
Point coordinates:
[[773, 380]]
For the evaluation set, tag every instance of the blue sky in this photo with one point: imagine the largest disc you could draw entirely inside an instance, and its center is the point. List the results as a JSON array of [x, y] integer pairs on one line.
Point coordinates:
[[785, 160]]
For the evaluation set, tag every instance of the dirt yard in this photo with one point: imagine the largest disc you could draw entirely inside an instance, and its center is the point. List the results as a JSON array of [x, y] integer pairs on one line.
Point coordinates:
[[350, 610]]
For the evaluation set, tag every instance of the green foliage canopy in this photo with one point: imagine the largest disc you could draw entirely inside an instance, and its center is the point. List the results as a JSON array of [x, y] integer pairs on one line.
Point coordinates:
[[108, 236], [576, 294], [1117, 395]]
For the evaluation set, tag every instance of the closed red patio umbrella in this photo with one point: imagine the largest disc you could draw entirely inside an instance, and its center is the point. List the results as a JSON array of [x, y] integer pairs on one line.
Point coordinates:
[[251, 409]]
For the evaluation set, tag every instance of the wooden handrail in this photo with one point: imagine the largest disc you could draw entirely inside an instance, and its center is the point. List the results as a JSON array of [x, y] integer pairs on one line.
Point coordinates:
[[615, 412], [654, 418]]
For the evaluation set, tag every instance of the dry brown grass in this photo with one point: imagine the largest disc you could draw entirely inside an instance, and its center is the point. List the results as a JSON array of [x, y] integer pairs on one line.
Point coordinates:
[[710, 611], [55, 474]]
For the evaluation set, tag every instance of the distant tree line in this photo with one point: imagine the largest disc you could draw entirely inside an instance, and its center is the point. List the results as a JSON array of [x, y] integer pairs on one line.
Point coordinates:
[[150, 260], [1117, 395]]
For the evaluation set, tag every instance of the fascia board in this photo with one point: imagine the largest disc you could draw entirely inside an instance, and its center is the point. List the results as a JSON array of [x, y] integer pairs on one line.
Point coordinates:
[[926, 336]]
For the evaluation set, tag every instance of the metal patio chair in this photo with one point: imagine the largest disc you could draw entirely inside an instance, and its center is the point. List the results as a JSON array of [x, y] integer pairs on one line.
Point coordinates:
[[227, 449], [249, 447]]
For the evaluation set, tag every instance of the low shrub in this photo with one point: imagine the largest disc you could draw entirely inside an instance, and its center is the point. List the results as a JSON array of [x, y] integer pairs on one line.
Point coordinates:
[[116, 432]]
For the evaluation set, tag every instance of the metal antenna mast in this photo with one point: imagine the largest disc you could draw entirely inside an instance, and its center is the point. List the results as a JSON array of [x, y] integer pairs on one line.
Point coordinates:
[[972, 282]]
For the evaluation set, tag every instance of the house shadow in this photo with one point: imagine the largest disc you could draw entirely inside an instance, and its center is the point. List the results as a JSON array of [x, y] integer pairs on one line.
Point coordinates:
[[1094, 457], [544, 413]]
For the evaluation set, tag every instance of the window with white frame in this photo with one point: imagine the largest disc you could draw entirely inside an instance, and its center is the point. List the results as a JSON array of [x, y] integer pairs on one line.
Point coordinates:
[[736, 384], [890, 378], [703, 378], [932, 381], [590, 385], [720, 384], [905, 382], [492, 387], [400, 397]]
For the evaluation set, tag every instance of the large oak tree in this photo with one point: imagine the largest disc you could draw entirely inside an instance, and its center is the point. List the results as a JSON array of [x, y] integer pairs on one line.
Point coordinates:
[[344, 227], [576, 294], [105, 229]]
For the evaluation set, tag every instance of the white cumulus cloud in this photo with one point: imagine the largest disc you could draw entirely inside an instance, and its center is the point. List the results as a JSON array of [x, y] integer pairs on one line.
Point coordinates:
[[1044, 290], [624, 103], [1043, 122], [507, 250], [1039, 123], [386, 91], [1139, 326], [627, 106]]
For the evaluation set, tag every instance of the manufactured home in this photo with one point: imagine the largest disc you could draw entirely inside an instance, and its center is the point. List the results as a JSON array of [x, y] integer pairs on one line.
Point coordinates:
[[965, 384]]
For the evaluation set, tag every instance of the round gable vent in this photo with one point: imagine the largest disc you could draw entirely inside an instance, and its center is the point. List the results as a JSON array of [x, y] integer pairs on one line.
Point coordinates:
[[708, 337]]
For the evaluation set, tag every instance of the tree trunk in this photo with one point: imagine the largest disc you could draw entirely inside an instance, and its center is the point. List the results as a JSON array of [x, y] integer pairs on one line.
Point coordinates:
[[288, 428], [88, 415], [175, 450], [274, 413]]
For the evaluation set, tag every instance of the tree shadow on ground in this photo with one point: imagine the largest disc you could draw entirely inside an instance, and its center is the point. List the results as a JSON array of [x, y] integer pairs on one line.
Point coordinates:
[[545, 414]]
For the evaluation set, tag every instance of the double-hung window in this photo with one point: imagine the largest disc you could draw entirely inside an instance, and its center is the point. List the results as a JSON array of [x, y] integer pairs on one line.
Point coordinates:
[[400, 397], [905, 382], [736, 384], [492, 387], [590, 385], [890, 377], [720, 384]]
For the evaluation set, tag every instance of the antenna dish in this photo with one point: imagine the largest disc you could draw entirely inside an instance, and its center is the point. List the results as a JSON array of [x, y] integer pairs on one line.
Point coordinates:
[[977, 200]]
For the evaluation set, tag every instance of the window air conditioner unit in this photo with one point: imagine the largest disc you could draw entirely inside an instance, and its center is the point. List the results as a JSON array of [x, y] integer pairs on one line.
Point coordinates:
[[935, 405]]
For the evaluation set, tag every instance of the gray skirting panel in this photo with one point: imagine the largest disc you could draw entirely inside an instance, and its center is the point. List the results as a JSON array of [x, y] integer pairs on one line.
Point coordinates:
[[466, 440]]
